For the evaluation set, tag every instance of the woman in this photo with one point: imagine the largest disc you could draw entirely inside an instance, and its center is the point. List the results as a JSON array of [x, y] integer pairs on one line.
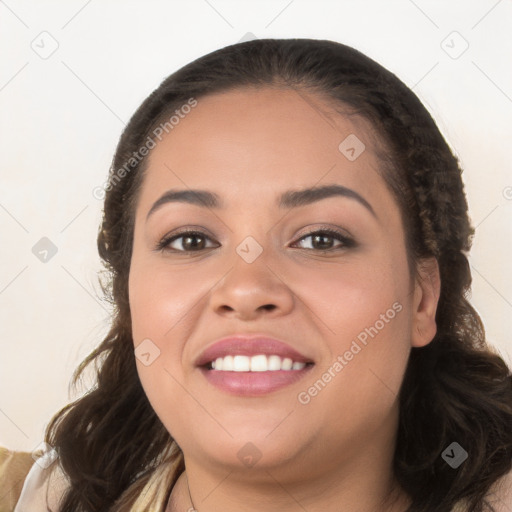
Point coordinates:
[[286, 230]]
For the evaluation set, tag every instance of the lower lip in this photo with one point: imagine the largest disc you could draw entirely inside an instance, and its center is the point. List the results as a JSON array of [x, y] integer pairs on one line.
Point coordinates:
[[253, 383]]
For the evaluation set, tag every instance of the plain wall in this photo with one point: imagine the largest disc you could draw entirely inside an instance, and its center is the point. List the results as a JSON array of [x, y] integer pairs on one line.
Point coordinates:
[[61, 116]]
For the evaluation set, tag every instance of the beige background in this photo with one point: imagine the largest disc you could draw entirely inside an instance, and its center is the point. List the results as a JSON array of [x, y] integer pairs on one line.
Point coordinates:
[[61, 116]]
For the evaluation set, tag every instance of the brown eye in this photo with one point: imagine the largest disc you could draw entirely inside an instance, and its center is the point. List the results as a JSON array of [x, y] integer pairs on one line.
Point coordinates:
[[322, 240], [196, 241], [189, 241]]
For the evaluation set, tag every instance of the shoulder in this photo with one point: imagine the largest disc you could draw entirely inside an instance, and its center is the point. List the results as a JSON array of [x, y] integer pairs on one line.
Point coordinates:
[[30, 482], [14, 467]]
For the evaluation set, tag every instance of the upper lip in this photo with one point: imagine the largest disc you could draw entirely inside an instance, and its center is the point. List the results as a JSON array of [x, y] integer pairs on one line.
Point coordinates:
[[245, 345]]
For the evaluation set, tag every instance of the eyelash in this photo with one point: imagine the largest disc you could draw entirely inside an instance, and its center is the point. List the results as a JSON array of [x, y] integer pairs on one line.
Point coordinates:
[[347, 242]]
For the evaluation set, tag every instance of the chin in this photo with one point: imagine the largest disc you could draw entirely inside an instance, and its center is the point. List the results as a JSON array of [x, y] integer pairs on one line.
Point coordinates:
[[249, 451]]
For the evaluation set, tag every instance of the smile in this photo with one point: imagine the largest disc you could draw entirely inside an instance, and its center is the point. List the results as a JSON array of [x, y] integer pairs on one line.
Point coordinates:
[[252, 365], [257, 363]]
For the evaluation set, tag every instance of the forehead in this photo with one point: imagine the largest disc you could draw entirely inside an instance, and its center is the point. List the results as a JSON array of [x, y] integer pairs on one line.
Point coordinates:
[[261, 140]]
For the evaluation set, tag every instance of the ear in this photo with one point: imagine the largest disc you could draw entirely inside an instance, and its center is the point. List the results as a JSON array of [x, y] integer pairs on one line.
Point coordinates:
[[427, 289]]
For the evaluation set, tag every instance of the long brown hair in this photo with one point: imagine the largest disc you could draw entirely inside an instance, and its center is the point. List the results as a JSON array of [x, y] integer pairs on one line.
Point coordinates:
[[455, 389]]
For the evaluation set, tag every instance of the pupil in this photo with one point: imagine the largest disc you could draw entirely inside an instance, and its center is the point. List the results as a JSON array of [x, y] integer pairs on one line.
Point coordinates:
[[325, 245], [191, 237]]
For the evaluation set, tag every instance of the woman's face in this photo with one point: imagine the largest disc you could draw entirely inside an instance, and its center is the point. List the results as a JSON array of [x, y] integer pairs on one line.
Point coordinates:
[[263, 265]]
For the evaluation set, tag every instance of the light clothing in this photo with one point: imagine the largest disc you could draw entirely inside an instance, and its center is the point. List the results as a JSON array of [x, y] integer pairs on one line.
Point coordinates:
[[43, 486], [46, 483]]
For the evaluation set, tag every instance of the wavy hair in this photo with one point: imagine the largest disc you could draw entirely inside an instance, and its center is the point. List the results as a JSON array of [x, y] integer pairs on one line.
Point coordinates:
[[457, 388]]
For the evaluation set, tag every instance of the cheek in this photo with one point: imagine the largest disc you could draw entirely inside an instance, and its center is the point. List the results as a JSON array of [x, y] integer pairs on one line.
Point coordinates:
[[161, 301], [160, 296], [357, 391], [367, 317], [355, 295]]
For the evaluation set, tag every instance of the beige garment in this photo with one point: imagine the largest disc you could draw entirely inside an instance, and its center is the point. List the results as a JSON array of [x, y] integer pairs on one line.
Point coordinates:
[[49, 483], [43, 486], [14, 467], [46, 483]]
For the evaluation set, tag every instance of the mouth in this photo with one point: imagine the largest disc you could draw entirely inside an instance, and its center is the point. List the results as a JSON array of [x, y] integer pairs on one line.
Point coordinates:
[[257, 363], [252, 366]]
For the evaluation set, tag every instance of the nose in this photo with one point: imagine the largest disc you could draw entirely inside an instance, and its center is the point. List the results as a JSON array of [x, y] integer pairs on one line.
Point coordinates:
[[249, 291]]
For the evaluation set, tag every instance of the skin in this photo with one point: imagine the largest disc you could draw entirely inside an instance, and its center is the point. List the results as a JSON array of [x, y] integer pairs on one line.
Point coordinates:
[[335, 452]]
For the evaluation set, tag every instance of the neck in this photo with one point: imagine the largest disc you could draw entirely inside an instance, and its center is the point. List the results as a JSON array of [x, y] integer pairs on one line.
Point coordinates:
[[360, 487], [357, 478], [283, 499]]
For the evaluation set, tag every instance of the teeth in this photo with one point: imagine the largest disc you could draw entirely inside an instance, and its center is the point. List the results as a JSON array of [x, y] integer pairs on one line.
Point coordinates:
[[287, 364], [241, 364], [258, 363], [227, 363], [274, 363]]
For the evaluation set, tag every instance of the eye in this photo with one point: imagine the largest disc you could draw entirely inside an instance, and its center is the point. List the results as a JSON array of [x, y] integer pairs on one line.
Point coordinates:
[[191, 241], [195, 241], [322, 239]]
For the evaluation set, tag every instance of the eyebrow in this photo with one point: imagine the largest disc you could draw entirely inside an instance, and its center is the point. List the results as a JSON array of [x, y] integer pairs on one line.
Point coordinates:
[[289, 199]]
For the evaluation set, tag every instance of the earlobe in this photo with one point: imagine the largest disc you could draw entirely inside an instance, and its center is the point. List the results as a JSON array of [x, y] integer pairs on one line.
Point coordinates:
[[426, 297]]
